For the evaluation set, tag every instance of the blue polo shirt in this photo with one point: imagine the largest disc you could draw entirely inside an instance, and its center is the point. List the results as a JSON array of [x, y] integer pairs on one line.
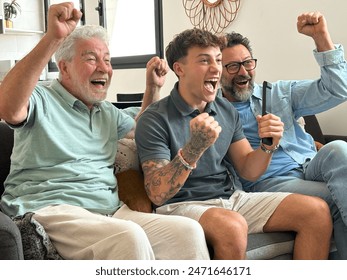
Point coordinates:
[[64, 154], [164, 128]]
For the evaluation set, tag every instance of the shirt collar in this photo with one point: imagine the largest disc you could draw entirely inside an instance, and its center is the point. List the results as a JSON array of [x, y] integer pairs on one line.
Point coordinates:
[[185, 109], [257, 92], [68, 97]]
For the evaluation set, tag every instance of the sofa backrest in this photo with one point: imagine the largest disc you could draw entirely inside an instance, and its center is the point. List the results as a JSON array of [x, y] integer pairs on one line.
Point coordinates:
[[312, 127], [6, 145]]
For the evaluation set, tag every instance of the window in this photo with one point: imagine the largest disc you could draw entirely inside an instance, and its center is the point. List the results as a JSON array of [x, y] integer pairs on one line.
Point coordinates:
[[52, 66], [134, 28], [135, 31]]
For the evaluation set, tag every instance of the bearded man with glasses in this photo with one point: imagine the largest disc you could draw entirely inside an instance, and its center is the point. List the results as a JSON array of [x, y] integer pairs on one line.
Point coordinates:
[[296, 166]]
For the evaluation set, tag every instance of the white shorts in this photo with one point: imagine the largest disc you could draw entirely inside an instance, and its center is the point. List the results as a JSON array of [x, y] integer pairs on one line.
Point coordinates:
[[256, 208]]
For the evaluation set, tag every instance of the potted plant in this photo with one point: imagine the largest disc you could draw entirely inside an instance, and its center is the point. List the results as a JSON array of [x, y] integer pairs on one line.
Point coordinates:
[[11, 10]]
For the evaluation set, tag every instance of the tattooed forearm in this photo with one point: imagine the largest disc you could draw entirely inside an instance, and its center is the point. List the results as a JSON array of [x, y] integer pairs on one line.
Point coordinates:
[[163, 179], [160, 198]]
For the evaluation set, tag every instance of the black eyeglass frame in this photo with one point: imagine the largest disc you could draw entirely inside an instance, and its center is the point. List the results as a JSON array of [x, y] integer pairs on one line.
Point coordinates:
[[241, 63]]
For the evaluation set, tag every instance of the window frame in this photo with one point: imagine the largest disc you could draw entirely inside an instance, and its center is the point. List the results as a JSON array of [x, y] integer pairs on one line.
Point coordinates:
[[138, 61], [52, 66], [124, 62]]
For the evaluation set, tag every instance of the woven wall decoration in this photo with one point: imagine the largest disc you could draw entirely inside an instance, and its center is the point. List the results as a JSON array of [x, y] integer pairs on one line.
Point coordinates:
[[211, 15]]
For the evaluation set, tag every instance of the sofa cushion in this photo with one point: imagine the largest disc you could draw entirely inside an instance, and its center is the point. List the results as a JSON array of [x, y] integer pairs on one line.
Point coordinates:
[[130, 179], [271, 245], [126, 157], [132, 192]]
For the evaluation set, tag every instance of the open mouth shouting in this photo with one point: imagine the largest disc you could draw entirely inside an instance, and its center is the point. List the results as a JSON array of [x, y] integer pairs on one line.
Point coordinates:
[[99, 82], [211, 84], [242, 81]]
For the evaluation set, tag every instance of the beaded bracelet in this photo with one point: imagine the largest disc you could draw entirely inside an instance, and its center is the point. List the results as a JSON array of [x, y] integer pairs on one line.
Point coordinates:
[[182, 160], [266, 150]]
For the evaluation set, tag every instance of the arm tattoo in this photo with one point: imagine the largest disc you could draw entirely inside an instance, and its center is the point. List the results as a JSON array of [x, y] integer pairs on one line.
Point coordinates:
[[163, 179]]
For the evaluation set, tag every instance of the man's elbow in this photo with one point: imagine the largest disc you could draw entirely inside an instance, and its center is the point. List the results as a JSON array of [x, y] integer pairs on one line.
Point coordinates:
[[12, 118], [249, 177], [14, 115], [156, 199]]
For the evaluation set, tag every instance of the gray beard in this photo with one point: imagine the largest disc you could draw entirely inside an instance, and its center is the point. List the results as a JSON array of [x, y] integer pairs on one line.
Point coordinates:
[[238, 95]]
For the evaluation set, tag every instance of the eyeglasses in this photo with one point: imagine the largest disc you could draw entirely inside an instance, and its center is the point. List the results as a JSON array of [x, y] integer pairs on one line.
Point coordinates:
[[234, 67]]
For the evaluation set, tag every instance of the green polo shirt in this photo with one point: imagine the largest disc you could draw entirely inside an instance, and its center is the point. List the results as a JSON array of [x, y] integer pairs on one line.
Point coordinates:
[[64, 154]]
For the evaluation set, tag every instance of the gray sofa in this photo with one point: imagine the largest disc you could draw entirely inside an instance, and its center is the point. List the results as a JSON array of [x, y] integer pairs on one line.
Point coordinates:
[[10, 240], [37, 246]]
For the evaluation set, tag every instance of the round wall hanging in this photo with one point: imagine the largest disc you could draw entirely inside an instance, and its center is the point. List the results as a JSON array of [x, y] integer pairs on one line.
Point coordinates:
[[211, 15]]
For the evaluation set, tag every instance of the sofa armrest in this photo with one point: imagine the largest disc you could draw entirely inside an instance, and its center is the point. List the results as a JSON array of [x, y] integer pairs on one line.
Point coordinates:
[[10, 239], [329, 137], [312, 127], [6, 145]]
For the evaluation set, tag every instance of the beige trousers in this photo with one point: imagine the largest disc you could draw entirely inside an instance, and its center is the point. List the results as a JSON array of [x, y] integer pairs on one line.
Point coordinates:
[[128, 235]]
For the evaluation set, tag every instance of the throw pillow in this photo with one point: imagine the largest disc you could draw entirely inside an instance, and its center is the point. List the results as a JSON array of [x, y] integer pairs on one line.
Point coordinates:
[[131, 191], [126, 157]]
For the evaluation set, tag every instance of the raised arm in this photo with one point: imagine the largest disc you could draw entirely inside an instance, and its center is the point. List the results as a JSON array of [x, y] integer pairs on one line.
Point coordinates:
[[163, 178], [17, 86], [313, 24], [156, 70]]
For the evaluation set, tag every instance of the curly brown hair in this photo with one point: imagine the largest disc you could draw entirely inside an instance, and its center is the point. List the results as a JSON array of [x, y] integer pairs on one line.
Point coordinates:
[[182, 42]]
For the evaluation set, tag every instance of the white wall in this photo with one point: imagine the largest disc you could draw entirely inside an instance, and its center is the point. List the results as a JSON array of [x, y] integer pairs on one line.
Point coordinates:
[[271, 26], [14, 45]]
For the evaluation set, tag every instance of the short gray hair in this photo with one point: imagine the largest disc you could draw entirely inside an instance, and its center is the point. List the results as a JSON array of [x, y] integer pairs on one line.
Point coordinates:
[[67, 50]]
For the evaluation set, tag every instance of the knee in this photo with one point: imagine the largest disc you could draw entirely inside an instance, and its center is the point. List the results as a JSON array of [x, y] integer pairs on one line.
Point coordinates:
[[238, 224], [337, 148], [225, 228], [319, 214], [187, 240], [191, 228], [338, 145], [239, 232], [135, 233], [132, 243], [218, 221], [320, 206], [234, 230], [184, 229], [132, 234], [229, 239]]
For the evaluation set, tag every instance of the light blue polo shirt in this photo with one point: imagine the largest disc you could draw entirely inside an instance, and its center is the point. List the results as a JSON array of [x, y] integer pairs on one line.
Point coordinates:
[[64, 154]]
